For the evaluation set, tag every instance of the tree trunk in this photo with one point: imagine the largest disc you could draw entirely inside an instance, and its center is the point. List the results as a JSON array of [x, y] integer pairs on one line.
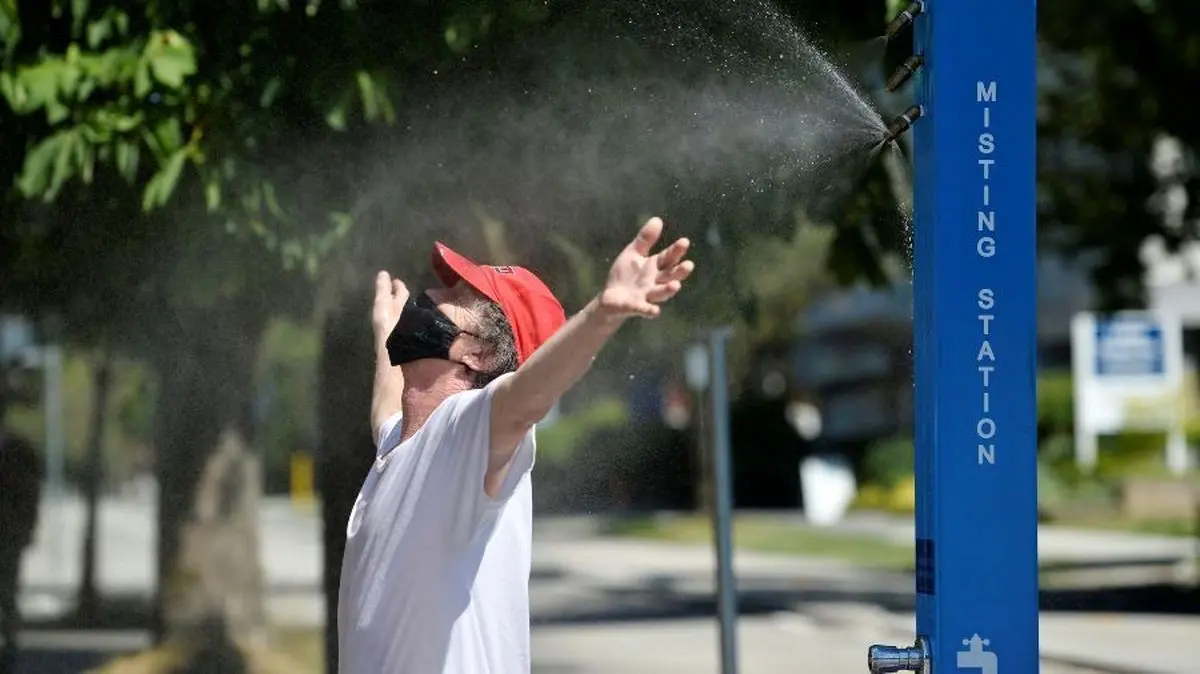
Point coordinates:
[[92, 479], [345, 449], [210, 581]]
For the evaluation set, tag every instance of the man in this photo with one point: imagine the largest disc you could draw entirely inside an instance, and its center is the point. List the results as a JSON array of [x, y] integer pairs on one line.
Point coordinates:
[[20, 491], [436, 572]]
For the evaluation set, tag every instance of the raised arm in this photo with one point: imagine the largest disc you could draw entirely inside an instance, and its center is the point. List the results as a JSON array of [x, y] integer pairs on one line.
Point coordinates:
[[637, 283], [390, 296]]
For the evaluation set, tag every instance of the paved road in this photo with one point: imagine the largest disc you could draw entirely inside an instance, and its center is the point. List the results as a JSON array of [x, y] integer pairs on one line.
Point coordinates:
[[625, 606], [767, 645], [290, 538], [291, 544], [621, 598]]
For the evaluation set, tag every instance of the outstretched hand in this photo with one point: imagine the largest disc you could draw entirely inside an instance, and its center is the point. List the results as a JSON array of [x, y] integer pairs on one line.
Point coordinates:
[[390, 296], [638, 281]]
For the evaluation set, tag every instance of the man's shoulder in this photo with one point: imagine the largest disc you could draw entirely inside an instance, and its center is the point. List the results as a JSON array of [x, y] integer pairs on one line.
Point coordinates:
[[472, 400]]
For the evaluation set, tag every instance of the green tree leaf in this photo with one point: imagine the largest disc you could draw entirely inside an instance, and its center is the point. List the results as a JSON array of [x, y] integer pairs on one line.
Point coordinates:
[[170, 57], [162, 184], [10, 26], [127, 155], [49, 164]]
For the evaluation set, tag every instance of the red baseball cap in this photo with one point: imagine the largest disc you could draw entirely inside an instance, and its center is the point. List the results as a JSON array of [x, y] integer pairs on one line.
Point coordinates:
[[533, 313]]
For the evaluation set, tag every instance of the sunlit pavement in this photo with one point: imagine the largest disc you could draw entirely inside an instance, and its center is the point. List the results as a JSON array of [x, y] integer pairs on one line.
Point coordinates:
[[646, 607], [628, 606], [787, 643], [767, 645], [126, 549], [291, 545]]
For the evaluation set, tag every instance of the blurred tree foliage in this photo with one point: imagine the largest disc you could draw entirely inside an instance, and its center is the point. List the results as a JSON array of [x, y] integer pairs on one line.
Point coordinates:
[[155, 151], [1112, 85], [160, 92], [156, 95]]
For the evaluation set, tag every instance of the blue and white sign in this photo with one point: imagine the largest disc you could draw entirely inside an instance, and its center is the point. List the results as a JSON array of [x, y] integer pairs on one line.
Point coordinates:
[[17, 340], [1130, 347], [1128, 374]]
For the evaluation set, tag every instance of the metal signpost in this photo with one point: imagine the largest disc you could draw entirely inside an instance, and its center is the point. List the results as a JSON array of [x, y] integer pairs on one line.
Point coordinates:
[[975, 341], [723, 501], [705, 366], [19, 347]]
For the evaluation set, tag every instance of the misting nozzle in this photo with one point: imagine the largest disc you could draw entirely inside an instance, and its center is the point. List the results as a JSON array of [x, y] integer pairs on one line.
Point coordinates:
[[902, 123], [905, 71], [903, 19]]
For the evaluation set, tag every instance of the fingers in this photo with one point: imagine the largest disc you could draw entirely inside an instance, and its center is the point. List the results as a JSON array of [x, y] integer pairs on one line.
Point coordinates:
[[679, 272], [672, 254], [387, 287], [628, 304], [383, 285], [647, 310], [647, 236], [664, 292]]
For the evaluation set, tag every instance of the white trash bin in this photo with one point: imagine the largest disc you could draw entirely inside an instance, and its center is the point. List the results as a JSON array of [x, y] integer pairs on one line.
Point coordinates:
[[828, 486]]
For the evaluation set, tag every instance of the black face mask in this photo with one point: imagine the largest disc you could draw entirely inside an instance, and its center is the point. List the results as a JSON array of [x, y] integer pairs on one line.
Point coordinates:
[[423, 331]]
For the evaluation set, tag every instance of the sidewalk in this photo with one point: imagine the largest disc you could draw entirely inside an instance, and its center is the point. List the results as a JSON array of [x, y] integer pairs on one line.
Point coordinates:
[[781, 644], [126, 565], [849, 607]]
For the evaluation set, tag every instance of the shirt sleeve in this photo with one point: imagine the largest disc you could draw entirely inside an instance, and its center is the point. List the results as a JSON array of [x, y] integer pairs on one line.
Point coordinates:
[[390, 433], [465, 458]]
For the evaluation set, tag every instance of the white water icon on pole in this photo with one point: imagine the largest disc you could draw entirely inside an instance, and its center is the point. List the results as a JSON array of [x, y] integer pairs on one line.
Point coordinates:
[[976, 657]]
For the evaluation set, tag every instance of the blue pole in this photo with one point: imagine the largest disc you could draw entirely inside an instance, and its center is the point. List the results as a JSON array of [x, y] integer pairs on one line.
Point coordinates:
[[975, 336]]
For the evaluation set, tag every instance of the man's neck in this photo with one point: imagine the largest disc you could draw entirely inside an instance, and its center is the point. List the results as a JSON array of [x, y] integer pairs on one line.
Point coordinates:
[[418, 404]]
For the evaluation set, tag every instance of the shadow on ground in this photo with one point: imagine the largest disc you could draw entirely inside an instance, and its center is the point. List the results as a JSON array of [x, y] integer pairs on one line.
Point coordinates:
[[60, 661], [53, 646], [113, 612], [71, 644], [1163, 599], [668, 597]]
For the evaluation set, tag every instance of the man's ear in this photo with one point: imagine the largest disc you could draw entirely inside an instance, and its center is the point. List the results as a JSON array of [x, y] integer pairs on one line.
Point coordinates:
[[475, 356]]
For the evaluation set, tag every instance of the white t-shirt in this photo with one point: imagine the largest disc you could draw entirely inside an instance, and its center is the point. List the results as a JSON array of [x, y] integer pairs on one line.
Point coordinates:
[[435, 579]]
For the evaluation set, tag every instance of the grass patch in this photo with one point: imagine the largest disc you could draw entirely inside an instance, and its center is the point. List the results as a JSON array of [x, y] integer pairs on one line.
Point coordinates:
[[305, 647], [1182, 527], [772, 536]]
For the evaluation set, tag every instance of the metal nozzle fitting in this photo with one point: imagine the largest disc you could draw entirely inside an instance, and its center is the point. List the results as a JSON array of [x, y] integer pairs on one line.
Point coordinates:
[[890, 659], [902, 123], [903, 19], [905, 71]]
